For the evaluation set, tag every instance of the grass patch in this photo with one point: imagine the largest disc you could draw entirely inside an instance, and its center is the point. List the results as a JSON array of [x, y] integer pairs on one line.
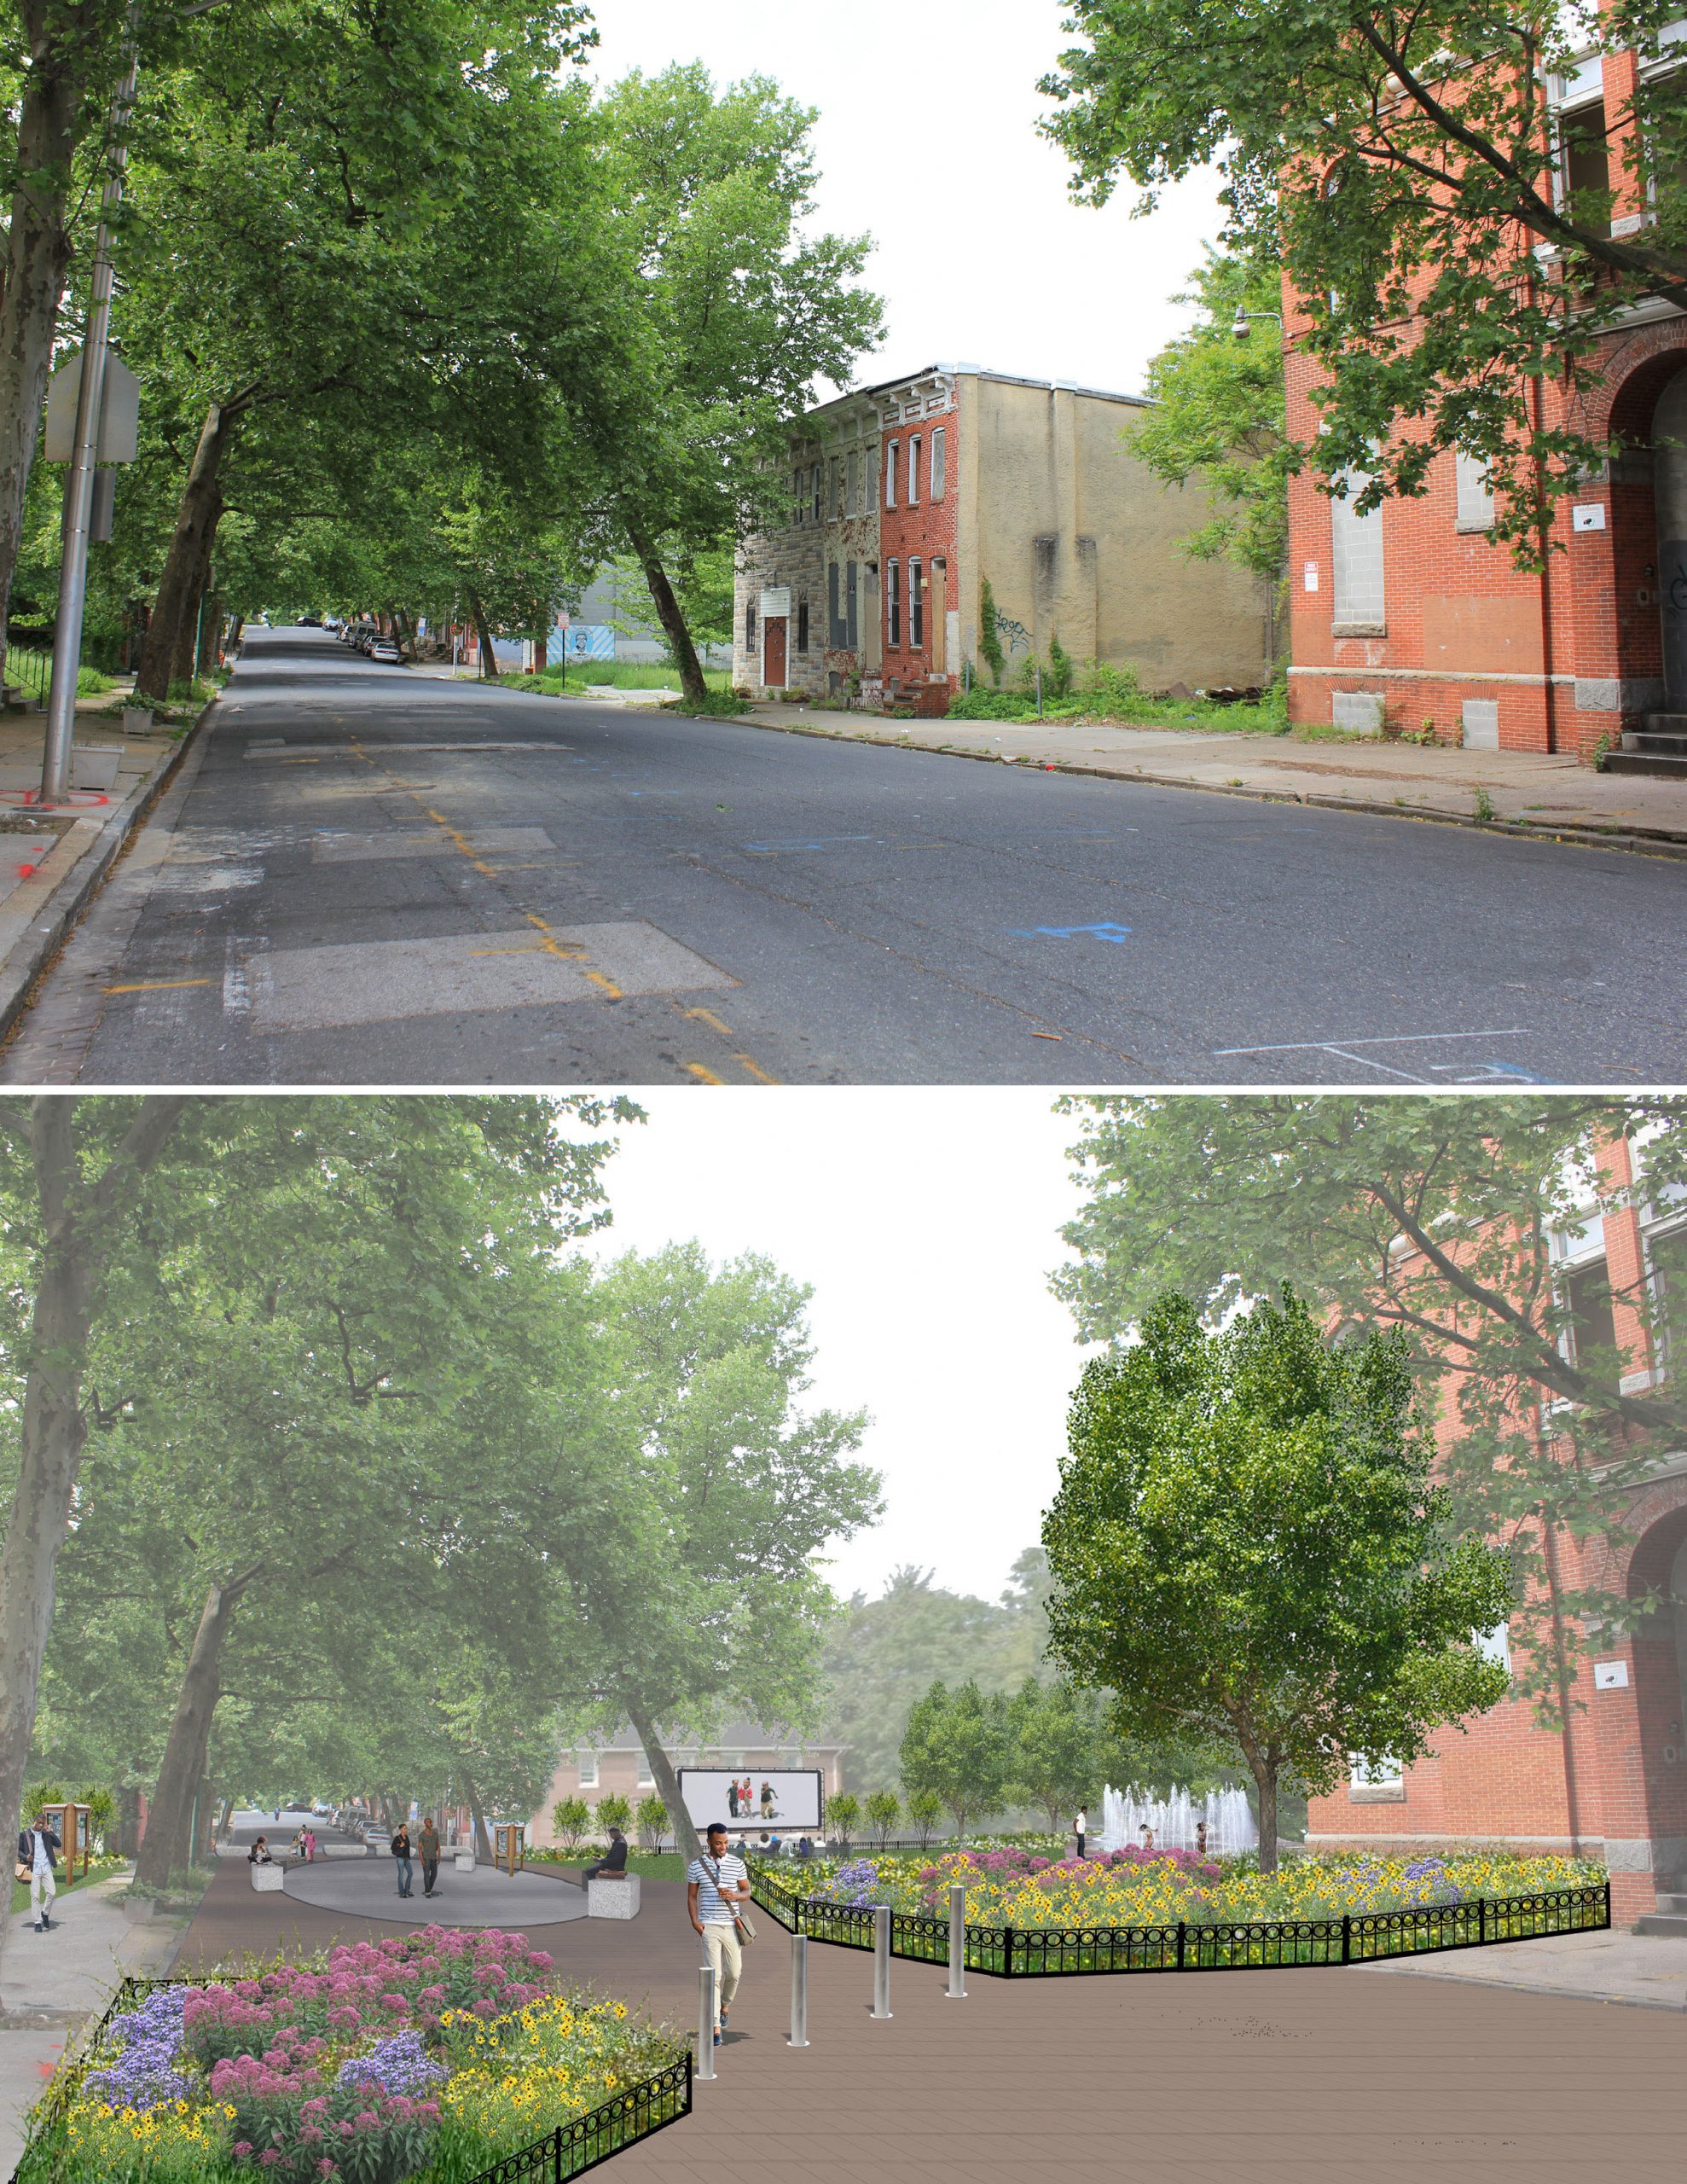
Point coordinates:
[[608, 674], [654, 1865], [101, 1869], [1111, 696], [32, 672]]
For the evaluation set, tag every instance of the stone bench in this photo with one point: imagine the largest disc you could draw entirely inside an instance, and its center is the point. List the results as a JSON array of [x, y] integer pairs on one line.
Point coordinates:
[[463, 1861], [268, 1879], [613, 1896]]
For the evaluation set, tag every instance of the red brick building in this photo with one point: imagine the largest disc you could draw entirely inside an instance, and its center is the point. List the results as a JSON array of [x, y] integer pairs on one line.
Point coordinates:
[[1415, 613], [1614, 1784]]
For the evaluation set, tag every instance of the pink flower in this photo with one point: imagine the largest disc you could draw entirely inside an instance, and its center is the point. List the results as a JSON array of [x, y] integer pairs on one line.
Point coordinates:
[[242, 2148], [327, 2169]]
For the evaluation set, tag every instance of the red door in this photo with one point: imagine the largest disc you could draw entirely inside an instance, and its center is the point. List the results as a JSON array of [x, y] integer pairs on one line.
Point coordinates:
[[773, 672]]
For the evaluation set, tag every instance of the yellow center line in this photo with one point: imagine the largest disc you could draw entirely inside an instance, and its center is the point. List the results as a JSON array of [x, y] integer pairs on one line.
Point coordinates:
[[708, 1016], [707, 1076], [756, 1069], [160, 986]]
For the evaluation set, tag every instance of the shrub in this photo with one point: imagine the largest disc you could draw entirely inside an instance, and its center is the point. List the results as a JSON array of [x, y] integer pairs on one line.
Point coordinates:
[[989, 637], [846, 1811], [883, 1810], [614, 1811], [1057, 683], [926, 1809], [570, 1818], [653, 1817]]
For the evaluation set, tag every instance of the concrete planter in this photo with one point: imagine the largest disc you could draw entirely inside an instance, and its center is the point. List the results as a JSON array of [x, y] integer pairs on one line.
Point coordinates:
[[94, 765], [463, 1861], [606, 1898], [268, 1879], [137, 1909]]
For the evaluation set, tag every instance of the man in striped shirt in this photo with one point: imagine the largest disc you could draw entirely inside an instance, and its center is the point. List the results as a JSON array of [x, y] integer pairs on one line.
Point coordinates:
[[716, 1882]]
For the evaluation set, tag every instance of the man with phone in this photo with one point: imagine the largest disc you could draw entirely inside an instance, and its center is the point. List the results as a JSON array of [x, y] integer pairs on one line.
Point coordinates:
[[716, 1882]]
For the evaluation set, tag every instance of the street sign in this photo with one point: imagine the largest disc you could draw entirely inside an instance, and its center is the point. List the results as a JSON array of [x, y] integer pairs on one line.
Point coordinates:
[[119, 412]]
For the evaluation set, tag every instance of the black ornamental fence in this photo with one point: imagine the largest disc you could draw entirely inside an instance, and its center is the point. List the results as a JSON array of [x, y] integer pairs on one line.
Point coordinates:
[[570, 2150], [1265, 1944]]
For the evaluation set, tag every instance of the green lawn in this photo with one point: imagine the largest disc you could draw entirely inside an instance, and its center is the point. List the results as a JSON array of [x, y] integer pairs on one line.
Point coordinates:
[[102, 1869], [618, 674]]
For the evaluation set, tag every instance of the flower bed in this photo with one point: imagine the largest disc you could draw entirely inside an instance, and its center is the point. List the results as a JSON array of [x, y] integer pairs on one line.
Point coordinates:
[[420, 2059], [1010, 1886]]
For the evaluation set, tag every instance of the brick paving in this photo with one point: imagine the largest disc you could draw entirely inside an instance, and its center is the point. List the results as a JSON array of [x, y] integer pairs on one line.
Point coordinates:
[[1272, 2078]]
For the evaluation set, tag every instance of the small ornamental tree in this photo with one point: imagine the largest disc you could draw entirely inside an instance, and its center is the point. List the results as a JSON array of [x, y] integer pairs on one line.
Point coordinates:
[[883, 1809], [957, 1745], [1246, 1538], [653, 1818], [1057, 1747], [614, 1811], [570, 1819], [843, 1811], [925, 1809]]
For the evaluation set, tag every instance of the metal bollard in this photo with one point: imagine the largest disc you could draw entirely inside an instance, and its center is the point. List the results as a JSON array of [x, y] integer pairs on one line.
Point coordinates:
[[956, 1989], [705, 2023], [799, 1990], [881, 1961]]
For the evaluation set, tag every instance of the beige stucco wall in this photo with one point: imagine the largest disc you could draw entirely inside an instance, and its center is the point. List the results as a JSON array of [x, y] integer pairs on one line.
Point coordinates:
[[1080, 541]]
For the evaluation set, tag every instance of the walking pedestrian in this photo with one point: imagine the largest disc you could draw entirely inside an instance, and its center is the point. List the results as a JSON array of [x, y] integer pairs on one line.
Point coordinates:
[[1081, 1829], [38, 1849], [309, 1846], [718, 1882], [401, 1852], [427, 1849]]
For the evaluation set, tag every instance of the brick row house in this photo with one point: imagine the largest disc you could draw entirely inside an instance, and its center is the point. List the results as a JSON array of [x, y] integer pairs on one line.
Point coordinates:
[[907, 497], [617, 1766], [1612, 1783], [1414, 613]]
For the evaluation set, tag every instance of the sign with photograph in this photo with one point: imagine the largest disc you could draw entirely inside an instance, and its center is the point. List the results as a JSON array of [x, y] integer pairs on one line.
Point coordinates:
[[753, 1797]]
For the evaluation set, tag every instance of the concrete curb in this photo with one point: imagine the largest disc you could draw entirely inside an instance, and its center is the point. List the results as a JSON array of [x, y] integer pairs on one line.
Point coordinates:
[[1638, 840], [44, 912]]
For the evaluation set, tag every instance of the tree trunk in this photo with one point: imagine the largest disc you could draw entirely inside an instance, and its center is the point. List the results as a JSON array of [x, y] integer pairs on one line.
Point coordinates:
[[671, 617], [488, 658], [210, 627], [168, 1846], [75, 1225], [686, 1839], [38, 252], [1264, 1780], [479, 1831], [196, 518]]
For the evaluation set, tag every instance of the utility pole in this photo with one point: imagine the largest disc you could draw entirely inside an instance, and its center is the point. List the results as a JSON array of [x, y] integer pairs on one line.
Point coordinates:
[[79, 485]]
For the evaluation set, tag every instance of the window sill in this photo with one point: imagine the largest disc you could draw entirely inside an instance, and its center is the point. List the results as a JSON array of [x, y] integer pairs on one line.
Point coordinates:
[[1475, 530], [1359, 629], [1386, 1793]]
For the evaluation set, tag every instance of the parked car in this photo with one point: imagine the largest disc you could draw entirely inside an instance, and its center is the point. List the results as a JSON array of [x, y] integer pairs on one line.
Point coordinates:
[[387, 652]]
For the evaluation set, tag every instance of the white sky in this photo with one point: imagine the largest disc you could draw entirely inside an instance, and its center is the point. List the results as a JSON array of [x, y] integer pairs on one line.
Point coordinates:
[[927, 142], [926, 1223]]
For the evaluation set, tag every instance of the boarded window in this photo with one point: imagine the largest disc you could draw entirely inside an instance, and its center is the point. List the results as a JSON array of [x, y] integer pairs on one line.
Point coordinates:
[[940, 463], [1357, 542], [802, 625], [1475, 501], [916, 606], [833, 621], [851, 604], [817, 486]]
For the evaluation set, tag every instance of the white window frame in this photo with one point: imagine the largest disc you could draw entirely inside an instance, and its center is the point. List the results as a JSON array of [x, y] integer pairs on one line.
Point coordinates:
[[647, 1775], [893, 605], [1383, 1773], [1348, 532], [1475, 495], [1495, 1645], [892, 450], [914, 470], [586, 1767], [937, 484]]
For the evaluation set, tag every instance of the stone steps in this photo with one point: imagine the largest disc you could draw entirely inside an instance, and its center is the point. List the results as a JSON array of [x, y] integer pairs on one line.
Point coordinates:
[[1663, 1922]]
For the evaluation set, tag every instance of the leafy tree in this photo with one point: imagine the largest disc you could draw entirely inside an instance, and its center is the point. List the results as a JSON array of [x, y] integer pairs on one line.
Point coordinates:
[[653, 1818], [844, 1812], [1404, 165], [694, 1575], [744, 311], [1436, 1218], [570, 1819], [1246, 1540], [883, 1809], [925, 1809], [956, 1745], [614, 1811], [1056, 1760], [1219, 418], [881, 1655]]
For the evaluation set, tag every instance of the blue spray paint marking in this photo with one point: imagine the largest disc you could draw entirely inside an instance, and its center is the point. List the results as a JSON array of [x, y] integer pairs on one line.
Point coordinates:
[[1105, 931], [821, 842], [1492, 1069]]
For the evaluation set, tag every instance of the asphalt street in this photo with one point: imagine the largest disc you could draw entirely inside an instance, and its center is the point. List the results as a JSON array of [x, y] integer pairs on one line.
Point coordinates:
[[364, 876]]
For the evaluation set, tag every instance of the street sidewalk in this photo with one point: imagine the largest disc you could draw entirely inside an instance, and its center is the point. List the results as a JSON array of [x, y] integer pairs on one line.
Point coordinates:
[[1525, 793], [52, 1983], [52, 864], [1614, 1967]]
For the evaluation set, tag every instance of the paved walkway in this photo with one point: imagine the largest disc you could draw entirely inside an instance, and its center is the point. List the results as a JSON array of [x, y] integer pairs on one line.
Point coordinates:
[[367, 1888], [1647, 1969], [1528, 792]]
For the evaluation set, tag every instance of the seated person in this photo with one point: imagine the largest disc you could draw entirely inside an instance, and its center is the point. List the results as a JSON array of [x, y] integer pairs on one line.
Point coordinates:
[[613, 1863], [774, 1847], [805, 1849], [259, 1853]]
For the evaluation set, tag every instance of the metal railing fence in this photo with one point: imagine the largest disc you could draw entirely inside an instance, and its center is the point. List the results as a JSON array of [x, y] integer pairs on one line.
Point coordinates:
[[1268, 1944]]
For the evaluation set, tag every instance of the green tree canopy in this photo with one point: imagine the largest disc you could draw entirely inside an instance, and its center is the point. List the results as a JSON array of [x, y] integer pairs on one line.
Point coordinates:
[[1246, 1542], [958, 1746]]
